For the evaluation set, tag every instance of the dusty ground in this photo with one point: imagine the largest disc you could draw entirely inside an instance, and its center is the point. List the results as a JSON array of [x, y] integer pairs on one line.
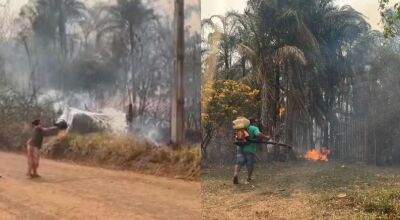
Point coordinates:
[[303, 190], [68, 191]]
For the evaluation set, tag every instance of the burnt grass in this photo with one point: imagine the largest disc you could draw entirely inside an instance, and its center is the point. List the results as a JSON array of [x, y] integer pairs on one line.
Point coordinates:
[[303, 190], [127, 153]]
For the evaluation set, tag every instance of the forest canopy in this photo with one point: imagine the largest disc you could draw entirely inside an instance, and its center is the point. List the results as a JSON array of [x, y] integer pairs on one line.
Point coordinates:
[[96, 55], [319, 62]]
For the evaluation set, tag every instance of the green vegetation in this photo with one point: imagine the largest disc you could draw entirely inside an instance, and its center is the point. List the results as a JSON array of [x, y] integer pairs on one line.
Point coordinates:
[[17, 110], [223, 101], [390, 17], [319, 61]]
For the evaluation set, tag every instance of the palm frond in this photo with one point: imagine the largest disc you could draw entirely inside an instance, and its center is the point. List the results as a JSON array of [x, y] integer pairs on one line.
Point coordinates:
[[289, 52], [247, 52], [209, 22]]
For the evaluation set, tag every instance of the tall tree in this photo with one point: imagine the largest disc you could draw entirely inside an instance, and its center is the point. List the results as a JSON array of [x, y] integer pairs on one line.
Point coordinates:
[[126, 18], [62, 11]]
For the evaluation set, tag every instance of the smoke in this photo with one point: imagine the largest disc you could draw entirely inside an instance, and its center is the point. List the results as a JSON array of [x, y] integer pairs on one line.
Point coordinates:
[[111, 120], [92, 79]]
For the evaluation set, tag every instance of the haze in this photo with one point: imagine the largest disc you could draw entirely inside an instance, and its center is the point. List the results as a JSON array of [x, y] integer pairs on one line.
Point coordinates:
[[368, 7]]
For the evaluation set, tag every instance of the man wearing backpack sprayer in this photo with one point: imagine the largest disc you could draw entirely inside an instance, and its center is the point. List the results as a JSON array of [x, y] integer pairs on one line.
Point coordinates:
[[245, 154]]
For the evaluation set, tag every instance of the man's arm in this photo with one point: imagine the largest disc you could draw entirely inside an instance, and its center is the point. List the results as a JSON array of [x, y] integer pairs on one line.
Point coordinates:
[[50, 131], [263, 136], [260, 135]]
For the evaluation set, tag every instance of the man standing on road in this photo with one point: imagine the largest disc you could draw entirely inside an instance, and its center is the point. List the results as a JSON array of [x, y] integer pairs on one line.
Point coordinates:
[[35, 144], [245, 155]]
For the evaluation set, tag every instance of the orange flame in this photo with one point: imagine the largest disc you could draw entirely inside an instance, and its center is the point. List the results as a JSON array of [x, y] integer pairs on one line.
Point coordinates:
[[282, 111], [62, 135], [316, 155]]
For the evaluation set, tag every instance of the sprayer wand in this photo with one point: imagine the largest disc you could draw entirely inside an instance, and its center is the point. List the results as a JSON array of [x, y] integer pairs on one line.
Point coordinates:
[[250, 141]]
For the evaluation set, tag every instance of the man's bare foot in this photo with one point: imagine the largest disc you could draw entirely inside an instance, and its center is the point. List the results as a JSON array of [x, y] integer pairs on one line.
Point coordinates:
[[235, 180], [36, 175]]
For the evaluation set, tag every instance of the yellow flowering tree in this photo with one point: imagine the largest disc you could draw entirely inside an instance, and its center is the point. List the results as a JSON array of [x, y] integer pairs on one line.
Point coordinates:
[[222, 102]]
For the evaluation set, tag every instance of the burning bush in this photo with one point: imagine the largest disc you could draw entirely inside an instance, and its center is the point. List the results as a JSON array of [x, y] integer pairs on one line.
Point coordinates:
[[127, 153], [315, 155]]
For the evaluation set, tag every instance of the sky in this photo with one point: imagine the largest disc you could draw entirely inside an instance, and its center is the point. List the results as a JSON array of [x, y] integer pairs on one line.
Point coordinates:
[[161, 6], [368, 8], [211, 7], [165, 5]]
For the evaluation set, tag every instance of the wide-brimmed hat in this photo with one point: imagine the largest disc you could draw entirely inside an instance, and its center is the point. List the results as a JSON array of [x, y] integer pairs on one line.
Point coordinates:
[[240, 123]]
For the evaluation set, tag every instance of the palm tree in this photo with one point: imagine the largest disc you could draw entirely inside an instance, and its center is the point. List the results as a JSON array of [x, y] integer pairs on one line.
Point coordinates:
[[125, 19], [50, 17], [224, 32], [41, 21], [274, 39], [342, 27], [127, 16], [64, 11]]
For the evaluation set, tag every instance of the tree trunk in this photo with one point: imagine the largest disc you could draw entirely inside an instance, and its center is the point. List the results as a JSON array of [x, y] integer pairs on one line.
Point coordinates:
[[243, 65], [133, 75], [131, 39], [226, 61], [290, 105], [276, 97], [62, 33], [265, 100]]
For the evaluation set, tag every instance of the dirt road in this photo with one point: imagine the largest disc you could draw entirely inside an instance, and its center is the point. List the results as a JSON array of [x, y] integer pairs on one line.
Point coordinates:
[[68, 191]]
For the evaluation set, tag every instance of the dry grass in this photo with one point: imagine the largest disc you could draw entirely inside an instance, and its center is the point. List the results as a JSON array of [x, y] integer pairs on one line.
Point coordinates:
[[127, 153], [304, 190]]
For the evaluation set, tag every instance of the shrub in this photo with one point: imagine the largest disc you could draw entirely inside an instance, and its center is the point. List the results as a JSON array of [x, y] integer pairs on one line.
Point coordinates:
[[222, 102], [127, 153], [17, 110]]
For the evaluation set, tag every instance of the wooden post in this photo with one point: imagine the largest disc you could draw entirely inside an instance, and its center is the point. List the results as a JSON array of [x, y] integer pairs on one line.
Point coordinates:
[[178, 103]]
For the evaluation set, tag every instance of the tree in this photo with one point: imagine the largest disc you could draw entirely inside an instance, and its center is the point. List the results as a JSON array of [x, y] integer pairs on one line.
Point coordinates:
[[390, 17], [50, 17], [126, 18], [297, 54], [6, 24], [89, 23], [222, 102], [65, 11], [223, 33]]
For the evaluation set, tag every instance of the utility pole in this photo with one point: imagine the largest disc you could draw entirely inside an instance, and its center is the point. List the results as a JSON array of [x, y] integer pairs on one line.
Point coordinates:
[[178, 101]]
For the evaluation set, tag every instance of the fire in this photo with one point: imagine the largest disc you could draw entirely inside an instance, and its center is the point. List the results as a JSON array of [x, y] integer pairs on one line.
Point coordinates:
[[282, 111], [312, 155], [315, 155], [61, 135]]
